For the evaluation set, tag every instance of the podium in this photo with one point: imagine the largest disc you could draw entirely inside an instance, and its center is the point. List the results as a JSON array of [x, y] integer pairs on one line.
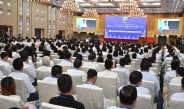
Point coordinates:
[[141, 40]]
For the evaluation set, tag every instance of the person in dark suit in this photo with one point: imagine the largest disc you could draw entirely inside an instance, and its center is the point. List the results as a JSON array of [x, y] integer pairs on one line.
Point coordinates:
[[65, 98]]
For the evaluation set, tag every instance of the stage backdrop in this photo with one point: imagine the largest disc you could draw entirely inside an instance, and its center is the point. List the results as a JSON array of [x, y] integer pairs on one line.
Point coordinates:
[[124, 28]]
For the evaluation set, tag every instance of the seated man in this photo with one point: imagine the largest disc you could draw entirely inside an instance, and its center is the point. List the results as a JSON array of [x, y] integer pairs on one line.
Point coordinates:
[[65, 98], [67, 60], [179, 95], [136, 80], [31, 71], [15, 53], [179, 75], [91, 62], [144, 66], [127, 97], [174, 65], [108, 72], [46, 64], [56, 73], [76, 70], [3, 61], [31, 92], [91, 80], [121, 67]]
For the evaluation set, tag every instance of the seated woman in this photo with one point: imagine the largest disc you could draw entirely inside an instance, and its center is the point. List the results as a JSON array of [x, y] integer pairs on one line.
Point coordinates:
[[8, 88]]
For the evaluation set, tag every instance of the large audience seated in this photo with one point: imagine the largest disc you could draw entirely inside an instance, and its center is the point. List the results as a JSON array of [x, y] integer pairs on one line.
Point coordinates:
[[127, 70]]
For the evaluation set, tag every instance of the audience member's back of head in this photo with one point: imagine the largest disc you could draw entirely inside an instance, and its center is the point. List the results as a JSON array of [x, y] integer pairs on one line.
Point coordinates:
[[24, 55], [75, 54], [91, 57], [175, 64], [144, 66], [109, 56], [68, 55], [18, 64], [56, 70], [79, 56], [4, 54], [134, 56], [128, 95], [115, 54], [77, 63], [135, 77], [65, 83], [91, 74], [108, 64], [46, 52], [100, 59], [122, 62], [46, 61], [180, 71], [128, 61]]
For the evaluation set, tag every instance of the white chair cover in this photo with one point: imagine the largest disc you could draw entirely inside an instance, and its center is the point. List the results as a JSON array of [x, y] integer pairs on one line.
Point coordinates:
[[122, 75], [41, 74], [133, 64], [128, 67], [150, 85], [10, 61], [7, 102], [143, 102], [65, 67], [47, 90], [176, 103], [77, 80], [54, 57], [38, 59], [137, 64], [3, 69], [21, 89], [86, 68], [91, 97], [51, 106], [102, 65], [109, 85], [173, 88], [57, 61], [38, 64]]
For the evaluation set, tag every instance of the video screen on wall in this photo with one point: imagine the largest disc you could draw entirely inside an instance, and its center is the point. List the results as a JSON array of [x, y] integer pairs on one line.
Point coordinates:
[[85, 24], [168, 26], [123, 27]]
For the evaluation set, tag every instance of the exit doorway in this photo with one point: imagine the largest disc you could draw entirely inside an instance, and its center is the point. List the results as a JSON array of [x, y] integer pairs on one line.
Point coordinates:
[[6, 31], [39, 32]]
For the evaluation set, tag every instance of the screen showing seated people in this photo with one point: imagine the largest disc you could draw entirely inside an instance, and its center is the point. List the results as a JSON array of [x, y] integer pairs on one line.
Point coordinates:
[[85, 24], [168, 26], [123, 27]]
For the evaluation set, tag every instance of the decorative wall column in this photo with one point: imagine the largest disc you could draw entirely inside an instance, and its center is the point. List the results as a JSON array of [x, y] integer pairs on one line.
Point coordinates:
[[20, 17]]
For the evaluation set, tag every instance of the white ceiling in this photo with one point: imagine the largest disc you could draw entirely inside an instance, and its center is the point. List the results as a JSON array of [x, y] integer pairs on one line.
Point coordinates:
[[110, 6]]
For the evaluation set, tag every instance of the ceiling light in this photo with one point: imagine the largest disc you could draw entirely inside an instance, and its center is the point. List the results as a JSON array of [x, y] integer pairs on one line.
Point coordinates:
[[105, 4], [70, 6]]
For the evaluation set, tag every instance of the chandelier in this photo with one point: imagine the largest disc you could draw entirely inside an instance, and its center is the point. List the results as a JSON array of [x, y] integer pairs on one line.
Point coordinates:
[[127, 5], [44, 1], [137, 13], [70, 6], [90, 13]]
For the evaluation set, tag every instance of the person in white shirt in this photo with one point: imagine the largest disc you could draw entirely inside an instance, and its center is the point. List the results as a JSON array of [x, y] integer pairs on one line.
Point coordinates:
[[174, 65], [91, 80], [3, 61], [144, 66], [108, 72], [136, 80], [30, 70], [31, 92], [47, 53], [121, 67], [76, 70], [46, 64], [127, 98], [56, 73], [67, 60], [180, 95], [179, 75], [15, 53], [91, 62]]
